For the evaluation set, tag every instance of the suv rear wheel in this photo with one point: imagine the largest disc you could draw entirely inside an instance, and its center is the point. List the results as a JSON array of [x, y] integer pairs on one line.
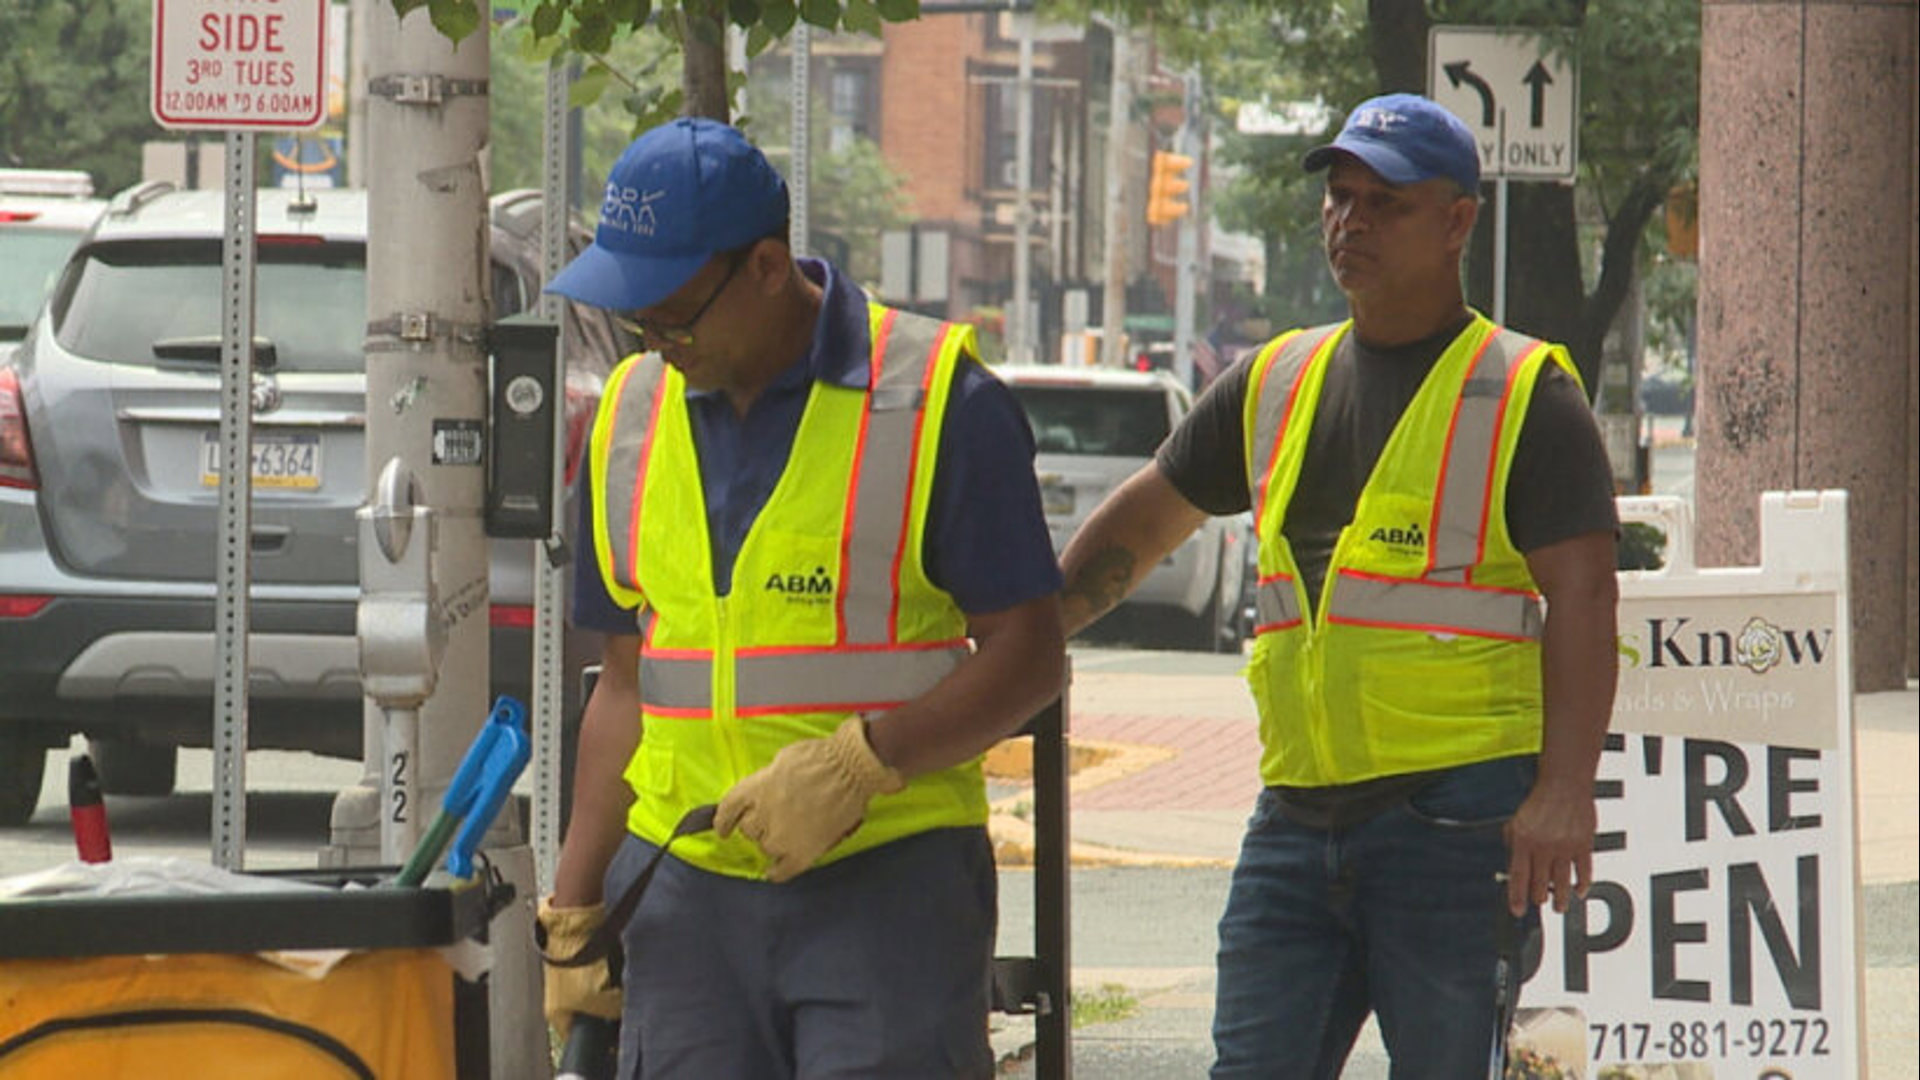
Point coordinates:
[[131, 768], [22, 761]]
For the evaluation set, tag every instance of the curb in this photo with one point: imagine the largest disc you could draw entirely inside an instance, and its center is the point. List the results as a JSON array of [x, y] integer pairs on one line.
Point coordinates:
[[1091, 764]]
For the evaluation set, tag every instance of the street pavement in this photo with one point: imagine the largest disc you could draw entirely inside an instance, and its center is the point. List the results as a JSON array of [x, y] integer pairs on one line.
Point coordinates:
[[1156, 825]]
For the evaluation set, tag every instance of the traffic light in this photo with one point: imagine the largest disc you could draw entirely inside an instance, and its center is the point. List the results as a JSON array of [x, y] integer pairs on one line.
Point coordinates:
[[1164, 202]]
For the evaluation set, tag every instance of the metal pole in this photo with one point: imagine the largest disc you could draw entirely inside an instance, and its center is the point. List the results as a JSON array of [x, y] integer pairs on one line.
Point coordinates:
[[549, 596], [1052, 886], [1500, 236], [1019, 320], [1188, 250], [357, 93], [1500, 251], [230, 621], [800, 44], [1113, 308]]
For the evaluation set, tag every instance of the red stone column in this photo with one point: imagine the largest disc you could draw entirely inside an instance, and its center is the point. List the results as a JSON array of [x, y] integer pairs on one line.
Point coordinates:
[[1807, 355]]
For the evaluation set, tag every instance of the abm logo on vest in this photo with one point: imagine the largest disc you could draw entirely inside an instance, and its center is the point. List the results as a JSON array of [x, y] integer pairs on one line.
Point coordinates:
[[1412, 538], [808, 589]]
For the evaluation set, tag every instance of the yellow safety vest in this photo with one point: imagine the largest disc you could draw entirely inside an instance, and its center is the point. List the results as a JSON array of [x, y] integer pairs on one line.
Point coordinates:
[[831, 612], [1424, 648]]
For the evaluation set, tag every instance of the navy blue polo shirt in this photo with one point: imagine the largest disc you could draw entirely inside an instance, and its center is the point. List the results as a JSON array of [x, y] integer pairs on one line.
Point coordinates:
[[986, 540]]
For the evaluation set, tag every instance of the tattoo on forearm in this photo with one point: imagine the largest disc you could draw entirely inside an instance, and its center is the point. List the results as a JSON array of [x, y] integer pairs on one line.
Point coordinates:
[[1103, 581]]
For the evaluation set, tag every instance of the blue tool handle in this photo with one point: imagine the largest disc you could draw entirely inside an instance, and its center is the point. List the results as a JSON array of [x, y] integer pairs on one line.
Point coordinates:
[[465, 788], [496, 760]]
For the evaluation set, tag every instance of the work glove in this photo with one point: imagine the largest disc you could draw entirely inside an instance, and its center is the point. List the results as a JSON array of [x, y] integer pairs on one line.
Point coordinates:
[[585, 990], [811, 796]]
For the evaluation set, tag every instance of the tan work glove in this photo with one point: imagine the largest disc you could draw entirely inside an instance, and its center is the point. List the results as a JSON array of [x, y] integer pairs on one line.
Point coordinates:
[[588, 989], [808, 798]]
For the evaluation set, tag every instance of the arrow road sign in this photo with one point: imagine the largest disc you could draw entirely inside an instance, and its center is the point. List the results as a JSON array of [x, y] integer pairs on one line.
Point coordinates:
[[1517, 96], [1461, 71]]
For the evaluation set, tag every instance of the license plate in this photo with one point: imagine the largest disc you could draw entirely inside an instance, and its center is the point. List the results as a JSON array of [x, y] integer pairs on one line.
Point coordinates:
[[281, 459]]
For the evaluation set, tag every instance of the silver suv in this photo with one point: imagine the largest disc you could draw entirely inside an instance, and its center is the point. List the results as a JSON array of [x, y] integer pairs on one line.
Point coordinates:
[[43, 214], [1093, 428], [108, 417]]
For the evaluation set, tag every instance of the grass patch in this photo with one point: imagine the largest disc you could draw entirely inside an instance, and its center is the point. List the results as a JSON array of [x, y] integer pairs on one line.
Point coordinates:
[[1103, 1004]]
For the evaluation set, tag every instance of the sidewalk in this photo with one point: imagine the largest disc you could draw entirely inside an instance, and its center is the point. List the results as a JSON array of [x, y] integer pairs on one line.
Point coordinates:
[[1179, 777]]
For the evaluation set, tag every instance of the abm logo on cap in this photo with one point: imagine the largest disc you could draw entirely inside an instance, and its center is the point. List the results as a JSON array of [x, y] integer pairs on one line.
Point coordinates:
[[1376, 119], [629, 209]]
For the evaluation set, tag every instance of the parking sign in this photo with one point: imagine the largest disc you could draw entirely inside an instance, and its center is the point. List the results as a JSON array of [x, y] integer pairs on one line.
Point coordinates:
[[1514, 92], [240, 64]]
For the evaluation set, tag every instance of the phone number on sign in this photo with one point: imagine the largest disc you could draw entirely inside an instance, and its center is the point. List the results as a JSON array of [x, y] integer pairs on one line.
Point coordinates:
[[1682, 1041]]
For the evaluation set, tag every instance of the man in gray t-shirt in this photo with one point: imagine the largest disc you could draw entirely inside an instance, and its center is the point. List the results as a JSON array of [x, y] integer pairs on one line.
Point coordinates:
[[1434, 679]]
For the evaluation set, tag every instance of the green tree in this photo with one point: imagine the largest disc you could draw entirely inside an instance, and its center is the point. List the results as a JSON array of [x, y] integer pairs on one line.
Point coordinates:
[[518, 107], [589, 28], [73, 86], [1639, 84]]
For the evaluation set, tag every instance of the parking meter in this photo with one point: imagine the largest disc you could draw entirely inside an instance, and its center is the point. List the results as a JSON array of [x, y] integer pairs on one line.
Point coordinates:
[[402, 639], [523, 403]]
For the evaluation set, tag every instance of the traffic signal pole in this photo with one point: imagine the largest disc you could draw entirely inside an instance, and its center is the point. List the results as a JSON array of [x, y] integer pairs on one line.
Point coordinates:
[[1113, 305], [1186, 276]]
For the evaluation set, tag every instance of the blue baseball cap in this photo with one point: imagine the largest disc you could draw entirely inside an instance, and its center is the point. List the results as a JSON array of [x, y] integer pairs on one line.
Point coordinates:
[[682, 193], [1405, 138]]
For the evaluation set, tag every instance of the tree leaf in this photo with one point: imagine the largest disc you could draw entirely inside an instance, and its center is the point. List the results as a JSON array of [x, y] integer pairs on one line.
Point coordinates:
[[642, 12], [758, 38], [546, 19], [540, 51], [744, 12], [593, 34], [861, 18], [824, 14], [454, 18], [778, 16], [589, 86], [898, 10], [623, 11], [401, 7]]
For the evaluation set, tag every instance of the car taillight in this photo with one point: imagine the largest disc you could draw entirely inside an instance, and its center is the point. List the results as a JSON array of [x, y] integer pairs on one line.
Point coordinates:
[[9, 217], [512, 616], [16, 449], [22, 607]]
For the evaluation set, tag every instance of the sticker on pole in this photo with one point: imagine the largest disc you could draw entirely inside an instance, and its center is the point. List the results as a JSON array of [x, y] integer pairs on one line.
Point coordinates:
[[240, 64]]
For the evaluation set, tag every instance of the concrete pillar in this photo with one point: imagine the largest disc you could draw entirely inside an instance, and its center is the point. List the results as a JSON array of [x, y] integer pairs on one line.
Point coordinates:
[[1807, 294]]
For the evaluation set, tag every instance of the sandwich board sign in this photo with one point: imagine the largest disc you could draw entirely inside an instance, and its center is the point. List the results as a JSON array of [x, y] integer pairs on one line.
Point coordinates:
[[1515, 92], [1718, 938], [240, 64]]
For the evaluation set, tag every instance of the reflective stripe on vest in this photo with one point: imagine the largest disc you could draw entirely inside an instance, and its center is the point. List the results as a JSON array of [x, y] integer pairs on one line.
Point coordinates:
[[1275, 604], [1445, 601], [903, 358], [1438, 607], [680, 683]]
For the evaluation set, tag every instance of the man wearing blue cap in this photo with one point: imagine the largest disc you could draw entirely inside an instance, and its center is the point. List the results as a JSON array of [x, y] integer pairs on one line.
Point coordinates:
[[813, 536], [1421, 480]]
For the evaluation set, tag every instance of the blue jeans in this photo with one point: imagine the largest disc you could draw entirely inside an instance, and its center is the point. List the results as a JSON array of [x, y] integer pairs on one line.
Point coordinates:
[[1396, 915], [877, 967]]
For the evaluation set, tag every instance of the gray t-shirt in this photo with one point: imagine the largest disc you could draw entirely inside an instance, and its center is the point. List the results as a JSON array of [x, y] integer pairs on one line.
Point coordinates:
[[1561, 485]]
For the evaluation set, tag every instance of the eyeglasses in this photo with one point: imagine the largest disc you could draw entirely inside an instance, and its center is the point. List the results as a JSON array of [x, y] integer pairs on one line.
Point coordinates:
[[650, 333]]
